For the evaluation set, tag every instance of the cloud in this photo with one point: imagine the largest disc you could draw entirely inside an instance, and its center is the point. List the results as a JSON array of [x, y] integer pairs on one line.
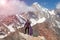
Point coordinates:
[[58, 6], [13, 7]]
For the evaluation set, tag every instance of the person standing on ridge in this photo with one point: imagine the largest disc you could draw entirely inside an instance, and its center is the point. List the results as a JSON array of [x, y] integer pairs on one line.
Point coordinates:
[[28, 27]]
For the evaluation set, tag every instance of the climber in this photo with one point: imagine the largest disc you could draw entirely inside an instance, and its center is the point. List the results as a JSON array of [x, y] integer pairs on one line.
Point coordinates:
[[28, 27]]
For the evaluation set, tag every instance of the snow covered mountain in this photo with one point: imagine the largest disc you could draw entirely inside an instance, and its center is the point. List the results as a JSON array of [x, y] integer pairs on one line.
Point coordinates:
[[39, 15]]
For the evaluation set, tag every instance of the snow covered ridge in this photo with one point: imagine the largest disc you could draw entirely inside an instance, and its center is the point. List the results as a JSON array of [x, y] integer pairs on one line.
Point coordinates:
[[34, 22]]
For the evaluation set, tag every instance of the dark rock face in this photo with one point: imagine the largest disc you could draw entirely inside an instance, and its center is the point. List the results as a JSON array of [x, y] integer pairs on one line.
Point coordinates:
[[44, 30], [57, 12]]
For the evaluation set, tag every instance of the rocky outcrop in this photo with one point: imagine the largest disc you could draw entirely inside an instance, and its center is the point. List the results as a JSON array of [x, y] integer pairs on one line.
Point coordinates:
[[44, 30], [21, 36]]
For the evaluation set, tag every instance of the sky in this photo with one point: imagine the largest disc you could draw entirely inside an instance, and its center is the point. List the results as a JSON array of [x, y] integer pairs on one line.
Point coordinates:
[[50, 4]]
